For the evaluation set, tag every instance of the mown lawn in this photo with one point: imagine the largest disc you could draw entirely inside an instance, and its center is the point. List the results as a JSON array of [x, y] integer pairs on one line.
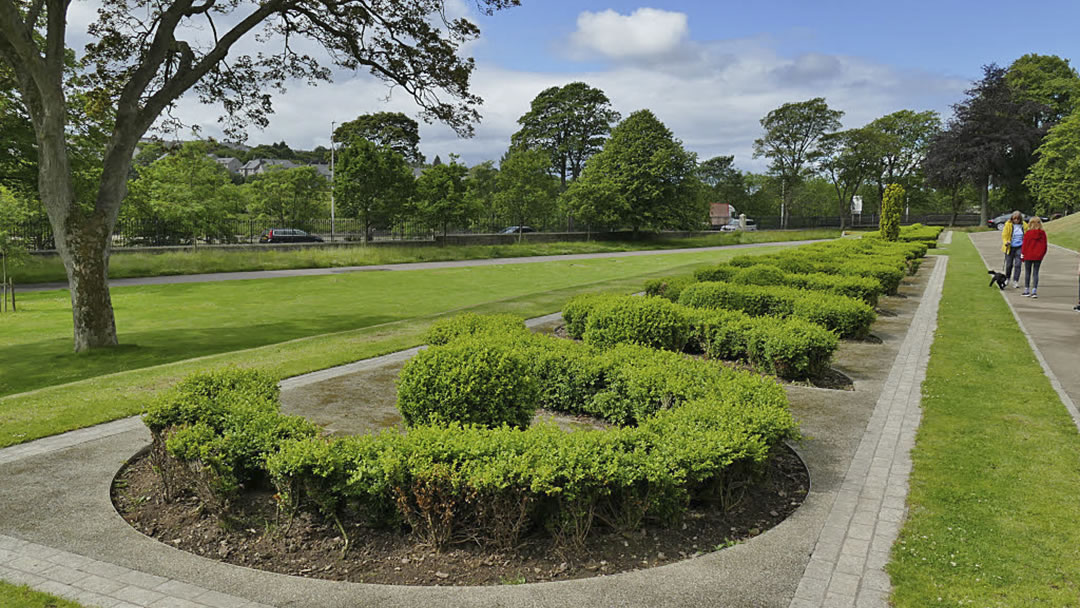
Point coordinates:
[[995, 490], [1065, 231], [124, 264], [286, 326], [19, 596]]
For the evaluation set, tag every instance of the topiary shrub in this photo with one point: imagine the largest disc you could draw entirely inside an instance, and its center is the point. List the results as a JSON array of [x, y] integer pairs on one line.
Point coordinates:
[[576, 312], [790, 348], [762, 274], [648, 321], [469, 381], [891, 204], [469, 324], [720, 272], [669, 288]]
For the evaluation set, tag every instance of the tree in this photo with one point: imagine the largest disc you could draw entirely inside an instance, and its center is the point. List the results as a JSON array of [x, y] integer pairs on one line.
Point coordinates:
[[372, 183], [891, 204], [440, 192], [146, 54], [482, 185], [527, 191], [1055, 176], [278, 150], [643, 178], [570, 123], [850, 158], [392, 130], [791, 142], [182, 196], [903, 139], [995, 134], [947, 169], [1047, 80], [13, 211], [723, 182], [289, 196]]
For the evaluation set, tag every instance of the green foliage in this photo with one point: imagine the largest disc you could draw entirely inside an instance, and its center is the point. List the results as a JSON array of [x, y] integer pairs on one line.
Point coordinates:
[[388, 130], [1055, 177], [445, 331], [892, 205], [648, 321], [372, 183], [791, 348], [669, 287], [701, 430], [643, 179], [1047, 80], [186, 194], [576, 312], [526, 192], [468, 381], [441, 195], [290, 195], [569, 124], [847, 316], [13, 210]]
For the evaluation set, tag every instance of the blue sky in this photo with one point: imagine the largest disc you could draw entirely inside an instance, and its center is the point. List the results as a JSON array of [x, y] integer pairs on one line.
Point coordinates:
[[709, 70]]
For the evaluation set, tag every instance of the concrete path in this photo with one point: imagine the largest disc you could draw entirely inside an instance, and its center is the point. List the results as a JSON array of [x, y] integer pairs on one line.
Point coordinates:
[[307, 272], [59, 532], [1049, 322]]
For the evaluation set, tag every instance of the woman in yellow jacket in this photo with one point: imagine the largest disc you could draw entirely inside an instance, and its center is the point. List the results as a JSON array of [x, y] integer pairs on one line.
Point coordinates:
[[1012, 238]]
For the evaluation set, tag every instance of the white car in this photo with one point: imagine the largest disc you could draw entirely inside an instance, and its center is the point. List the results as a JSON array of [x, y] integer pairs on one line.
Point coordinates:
[[733, 225]]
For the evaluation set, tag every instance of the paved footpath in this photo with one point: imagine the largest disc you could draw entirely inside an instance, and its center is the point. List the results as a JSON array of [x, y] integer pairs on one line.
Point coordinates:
[[1049, 321], [59, 533], [307, 272], [847, 565]]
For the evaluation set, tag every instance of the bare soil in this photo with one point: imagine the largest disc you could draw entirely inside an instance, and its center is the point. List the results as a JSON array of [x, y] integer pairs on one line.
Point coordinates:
[[255, 536]]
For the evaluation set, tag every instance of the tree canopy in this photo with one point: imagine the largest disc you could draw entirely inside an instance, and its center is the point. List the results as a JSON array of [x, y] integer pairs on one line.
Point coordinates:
[[1055, 176], [643, 179], [145, 54], [527, 192], [570, 123], [392, 130], [372, 183]]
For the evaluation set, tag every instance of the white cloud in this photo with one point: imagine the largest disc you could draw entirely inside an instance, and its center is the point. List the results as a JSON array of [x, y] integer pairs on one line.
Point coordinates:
[[711, 97], [645, 33]]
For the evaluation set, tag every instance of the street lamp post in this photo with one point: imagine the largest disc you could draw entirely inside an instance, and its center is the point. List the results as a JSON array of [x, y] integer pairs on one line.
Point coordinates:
[[332, 123]]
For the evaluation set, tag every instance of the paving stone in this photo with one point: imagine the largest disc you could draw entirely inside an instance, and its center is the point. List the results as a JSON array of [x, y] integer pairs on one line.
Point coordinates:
[[63, 574], [175, 602], [138, 595], [180, 589], [215, 599], [141, 579], [99, 584]]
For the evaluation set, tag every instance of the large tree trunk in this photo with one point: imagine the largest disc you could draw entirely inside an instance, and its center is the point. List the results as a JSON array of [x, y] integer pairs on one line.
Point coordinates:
[[983, 185], [85, 251]]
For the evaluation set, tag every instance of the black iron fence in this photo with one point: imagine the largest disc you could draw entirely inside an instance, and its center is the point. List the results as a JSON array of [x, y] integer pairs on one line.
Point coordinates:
[[37, 234]]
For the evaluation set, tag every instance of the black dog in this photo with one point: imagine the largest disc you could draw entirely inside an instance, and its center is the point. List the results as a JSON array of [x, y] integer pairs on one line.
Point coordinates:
[[998, 278]]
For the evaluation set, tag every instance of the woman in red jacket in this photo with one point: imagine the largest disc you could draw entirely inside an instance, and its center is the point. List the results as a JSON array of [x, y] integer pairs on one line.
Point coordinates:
[[1032, 251]]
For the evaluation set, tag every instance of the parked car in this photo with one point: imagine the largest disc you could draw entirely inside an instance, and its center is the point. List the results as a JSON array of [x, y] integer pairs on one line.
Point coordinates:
[[517, 230], [734, 225], [288, 235], [997, 222]]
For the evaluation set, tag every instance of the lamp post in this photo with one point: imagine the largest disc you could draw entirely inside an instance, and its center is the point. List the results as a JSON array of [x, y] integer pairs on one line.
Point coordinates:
[[332, 123]]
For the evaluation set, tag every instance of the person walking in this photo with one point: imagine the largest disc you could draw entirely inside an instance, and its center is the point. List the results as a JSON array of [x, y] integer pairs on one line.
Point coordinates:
[[1012, 239], [1033, 250]]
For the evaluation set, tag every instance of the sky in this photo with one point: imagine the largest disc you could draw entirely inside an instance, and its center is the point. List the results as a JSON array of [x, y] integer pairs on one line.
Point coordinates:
[[710, 70]]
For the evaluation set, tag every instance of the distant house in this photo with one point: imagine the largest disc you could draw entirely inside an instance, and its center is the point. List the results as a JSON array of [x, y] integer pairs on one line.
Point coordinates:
[[323, 169], [261, 165], [721, 213], [233, 165]]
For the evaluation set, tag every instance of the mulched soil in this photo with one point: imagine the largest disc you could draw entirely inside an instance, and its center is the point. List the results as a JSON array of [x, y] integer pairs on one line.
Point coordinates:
[[255, 537]]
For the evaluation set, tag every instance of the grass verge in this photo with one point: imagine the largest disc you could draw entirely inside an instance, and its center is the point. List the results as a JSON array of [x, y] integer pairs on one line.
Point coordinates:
[[20, 596], [993, 502], [1065, 231], [165, 323], [55, 409], [125, 265]]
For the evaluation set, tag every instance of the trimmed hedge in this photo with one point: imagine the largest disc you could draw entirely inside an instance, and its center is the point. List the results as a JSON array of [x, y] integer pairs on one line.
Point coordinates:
[[470, 381], [211, 432], [695, 431], [790, 348], [648, 321], [469, 323], [850, 318]]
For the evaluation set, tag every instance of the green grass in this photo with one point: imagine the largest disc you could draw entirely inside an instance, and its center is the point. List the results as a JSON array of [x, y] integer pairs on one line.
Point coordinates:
[[406, 307], [1065, 231], [126, 264], [995, 490], [19, 596]]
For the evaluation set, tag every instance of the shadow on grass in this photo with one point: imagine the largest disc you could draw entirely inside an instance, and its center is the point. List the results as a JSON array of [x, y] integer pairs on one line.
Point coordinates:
[[34, 365]]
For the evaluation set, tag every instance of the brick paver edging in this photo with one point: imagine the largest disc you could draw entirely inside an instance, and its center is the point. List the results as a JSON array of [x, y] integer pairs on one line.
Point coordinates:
[[847, 565]]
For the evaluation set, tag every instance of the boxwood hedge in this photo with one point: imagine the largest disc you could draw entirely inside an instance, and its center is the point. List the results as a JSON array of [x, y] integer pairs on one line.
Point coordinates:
[[691, 430]]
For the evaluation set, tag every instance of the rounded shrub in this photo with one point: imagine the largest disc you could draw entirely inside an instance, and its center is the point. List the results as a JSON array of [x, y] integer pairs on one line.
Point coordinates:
[[470, 324], [669, 288], [468, 381], [576, 312], [762, 274], [648, 321]]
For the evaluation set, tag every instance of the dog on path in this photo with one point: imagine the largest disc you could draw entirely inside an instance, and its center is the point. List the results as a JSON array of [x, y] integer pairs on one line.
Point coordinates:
[[998, 278]]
